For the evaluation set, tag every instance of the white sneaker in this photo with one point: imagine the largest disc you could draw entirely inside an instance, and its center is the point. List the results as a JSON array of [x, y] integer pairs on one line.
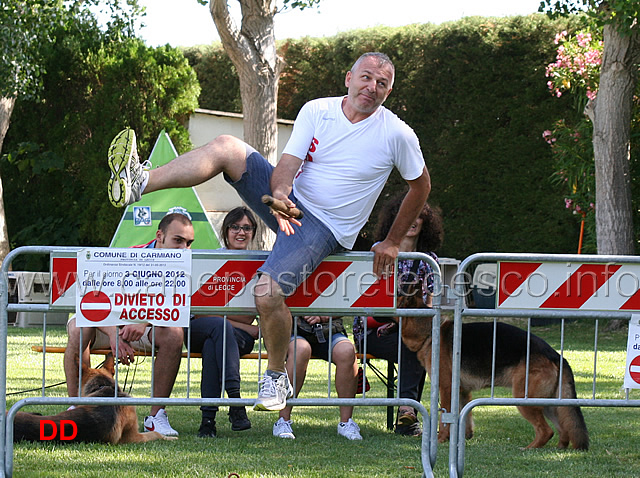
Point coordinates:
[[274, 391], [127, 174], [282, 429], [350, 430], [160, 424]]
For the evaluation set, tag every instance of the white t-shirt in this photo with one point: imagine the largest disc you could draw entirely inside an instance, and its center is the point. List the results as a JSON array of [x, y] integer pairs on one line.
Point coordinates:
[[346, 165]]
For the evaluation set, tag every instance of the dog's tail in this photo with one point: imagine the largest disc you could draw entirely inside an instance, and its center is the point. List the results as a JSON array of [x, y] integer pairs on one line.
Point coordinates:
[[569, 420]]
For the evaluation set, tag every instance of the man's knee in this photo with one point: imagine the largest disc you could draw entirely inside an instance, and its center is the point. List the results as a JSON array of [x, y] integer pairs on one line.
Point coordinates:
[[268, 295], [344, 353], [74, 332], [301, 349], [225, 141], [169, 338], [228, 148]]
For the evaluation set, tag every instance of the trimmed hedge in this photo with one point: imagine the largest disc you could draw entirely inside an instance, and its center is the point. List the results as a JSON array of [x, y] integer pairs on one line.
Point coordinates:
[[475, 92]]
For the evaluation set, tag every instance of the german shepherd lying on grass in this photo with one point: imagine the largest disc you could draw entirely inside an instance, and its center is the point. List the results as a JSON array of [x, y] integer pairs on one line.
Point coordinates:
[[105, 423], [510, 370]]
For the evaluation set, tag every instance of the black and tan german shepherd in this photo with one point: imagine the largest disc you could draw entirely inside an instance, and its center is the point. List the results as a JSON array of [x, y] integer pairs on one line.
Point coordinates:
[[510, 371], [105, 423]]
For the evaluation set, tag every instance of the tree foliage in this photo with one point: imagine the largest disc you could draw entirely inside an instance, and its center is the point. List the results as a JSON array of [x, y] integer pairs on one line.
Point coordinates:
[[26, 26], [54, 167], [623, 13], [216, 74], [27, 29]]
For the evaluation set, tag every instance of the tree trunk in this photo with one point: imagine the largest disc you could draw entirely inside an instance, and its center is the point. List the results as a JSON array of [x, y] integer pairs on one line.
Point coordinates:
[[6, 108], [252, 50], [611, 116]]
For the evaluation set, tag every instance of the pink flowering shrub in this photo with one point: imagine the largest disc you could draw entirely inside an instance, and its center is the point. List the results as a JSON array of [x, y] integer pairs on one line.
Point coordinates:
[[574, 166], [577, 65], [577, 71]]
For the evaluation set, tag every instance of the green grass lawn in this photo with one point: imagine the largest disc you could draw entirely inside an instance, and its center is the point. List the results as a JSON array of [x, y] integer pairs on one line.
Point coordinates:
[[318, 451]]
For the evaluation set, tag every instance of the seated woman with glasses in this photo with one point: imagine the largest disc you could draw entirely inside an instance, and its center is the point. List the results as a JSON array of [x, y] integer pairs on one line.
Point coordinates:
[[207, 337]]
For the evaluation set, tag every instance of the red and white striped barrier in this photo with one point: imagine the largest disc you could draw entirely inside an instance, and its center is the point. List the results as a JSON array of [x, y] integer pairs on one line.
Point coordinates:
[[341, 284], [568, 285]]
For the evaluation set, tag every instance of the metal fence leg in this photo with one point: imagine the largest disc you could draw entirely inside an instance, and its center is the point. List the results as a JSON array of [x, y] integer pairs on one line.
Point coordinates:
[[390, 381]]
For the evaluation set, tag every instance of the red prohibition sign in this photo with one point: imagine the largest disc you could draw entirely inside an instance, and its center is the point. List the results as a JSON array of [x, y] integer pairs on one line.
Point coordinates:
[[634, 369], [95, 306]]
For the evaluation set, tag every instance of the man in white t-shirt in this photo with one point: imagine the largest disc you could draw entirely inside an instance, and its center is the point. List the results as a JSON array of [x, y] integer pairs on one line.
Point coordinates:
[[333, 168]]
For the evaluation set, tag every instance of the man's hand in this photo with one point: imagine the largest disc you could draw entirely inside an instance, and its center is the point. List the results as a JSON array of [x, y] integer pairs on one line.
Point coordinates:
[[284, 221], [281, 186], [385, 254], [127, 334], [133, 332], [316, 319], [386, 251], [126, 354]]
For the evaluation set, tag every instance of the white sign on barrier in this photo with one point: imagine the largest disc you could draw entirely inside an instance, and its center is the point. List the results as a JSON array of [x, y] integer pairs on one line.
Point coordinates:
[[123, 286], [569, 286], [632, 371]]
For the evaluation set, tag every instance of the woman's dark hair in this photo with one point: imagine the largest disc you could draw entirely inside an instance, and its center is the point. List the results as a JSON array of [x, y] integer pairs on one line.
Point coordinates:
[[431, 234], [233, 216]]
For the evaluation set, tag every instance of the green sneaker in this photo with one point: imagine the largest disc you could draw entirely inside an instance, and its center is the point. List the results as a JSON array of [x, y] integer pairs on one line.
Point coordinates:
[[127, 174]]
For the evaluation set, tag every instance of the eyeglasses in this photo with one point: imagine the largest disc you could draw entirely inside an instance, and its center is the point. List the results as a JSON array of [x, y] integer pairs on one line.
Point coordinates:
[[236, 228]]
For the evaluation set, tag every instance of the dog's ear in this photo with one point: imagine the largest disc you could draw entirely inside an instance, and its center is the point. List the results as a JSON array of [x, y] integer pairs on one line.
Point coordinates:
[[76, 363], [109, 364]]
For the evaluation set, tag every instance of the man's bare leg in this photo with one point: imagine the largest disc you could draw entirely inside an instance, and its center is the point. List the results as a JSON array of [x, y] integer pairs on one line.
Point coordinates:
[[275, 322], [224, 154], [344, 357], [71, 354], [346, 383], [302, 356], [167, 363]]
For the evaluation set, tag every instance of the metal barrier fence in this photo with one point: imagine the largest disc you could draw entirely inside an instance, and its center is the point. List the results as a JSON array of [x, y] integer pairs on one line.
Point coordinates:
[[541, 286], [65, 303]]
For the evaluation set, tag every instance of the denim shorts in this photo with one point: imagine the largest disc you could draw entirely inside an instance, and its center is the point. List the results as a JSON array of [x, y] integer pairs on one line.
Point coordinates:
[[293, 257], [322, 350]]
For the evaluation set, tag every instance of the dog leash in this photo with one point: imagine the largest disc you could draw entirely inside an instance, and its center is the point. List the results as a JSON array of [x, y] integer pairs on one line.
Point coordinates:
[[126, 378], [36, 389], [133, 378], [46, 386]]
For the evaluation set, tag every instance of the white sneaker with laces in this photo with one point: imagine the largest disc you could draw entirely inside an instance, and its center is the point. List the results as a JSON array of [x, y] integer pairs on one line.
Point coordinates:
[[274, 391], [350, 430], [160, 424], [127, 173], [282, 429]]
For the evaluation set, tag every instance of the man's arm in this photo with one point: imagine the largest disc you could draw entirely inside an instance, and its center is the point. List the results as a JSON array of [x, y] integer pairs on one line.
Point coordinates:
[[387, 250], [245, 322], [125, 351], [281, 186]]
